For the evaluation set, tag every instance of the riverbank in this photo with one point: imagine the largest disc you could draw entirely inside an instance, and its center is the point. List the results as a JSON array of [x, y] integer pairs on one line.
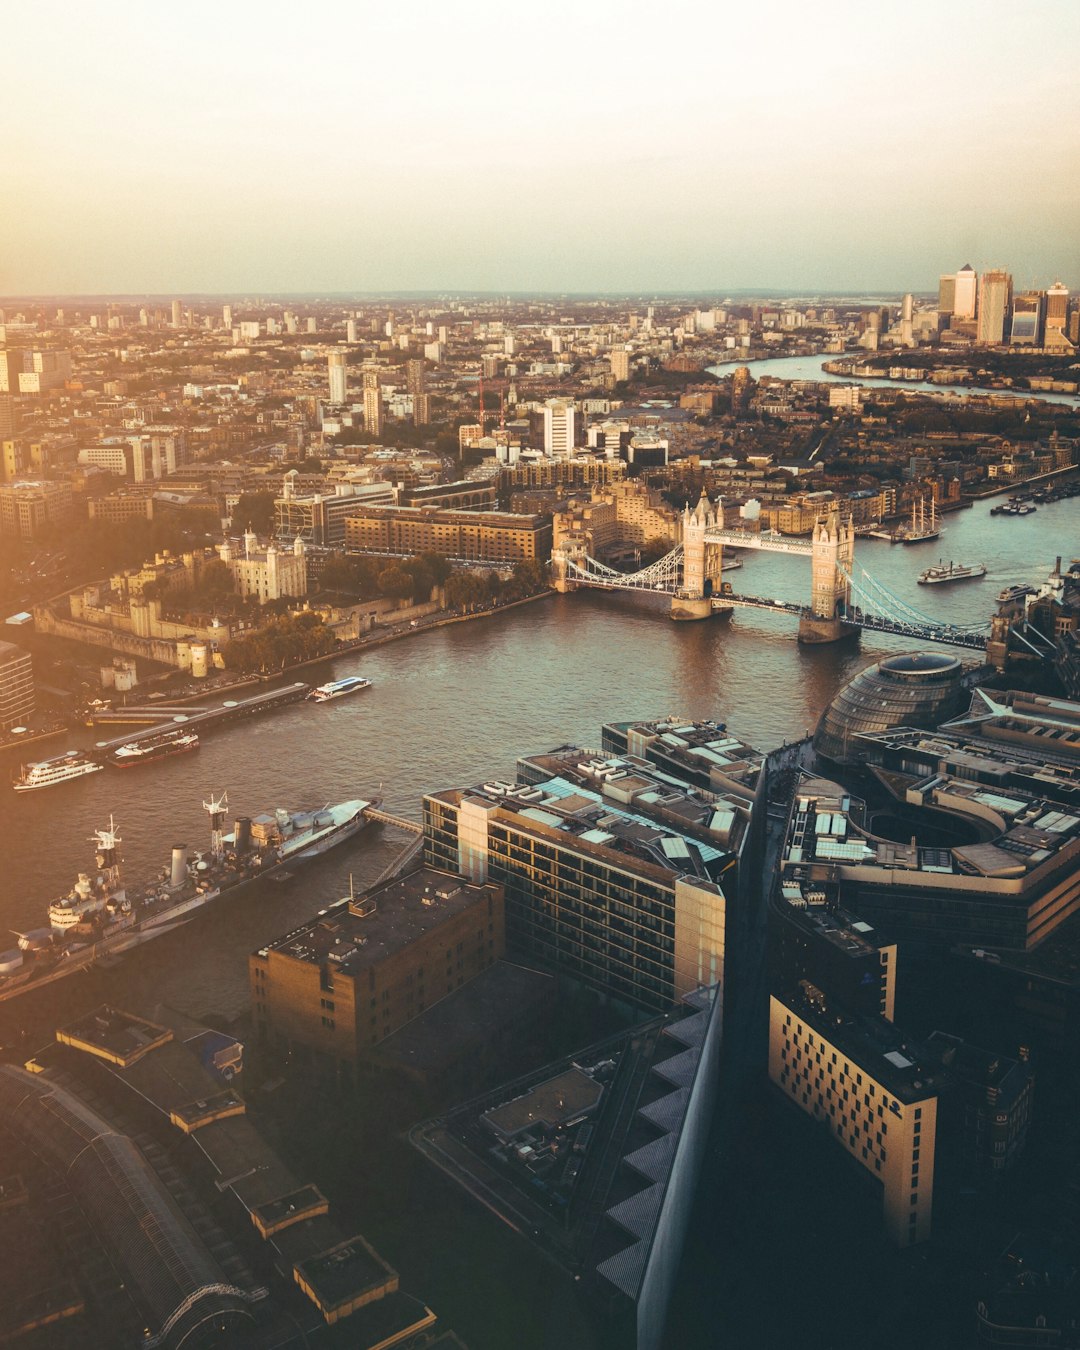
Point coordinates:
[[368, 642]]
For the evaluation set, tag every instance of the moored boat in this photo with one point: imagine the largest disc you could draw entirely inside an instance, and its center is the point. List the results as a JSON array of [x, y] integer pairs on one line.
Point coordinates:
[[352, 684], [145, 749], [100, 917], [60, 769]]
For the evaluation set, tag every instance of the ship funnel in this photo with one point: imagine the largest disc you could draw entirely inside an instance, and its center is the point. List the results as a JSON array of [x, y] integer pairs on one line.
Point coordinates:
[[179, 866], [242, 834]]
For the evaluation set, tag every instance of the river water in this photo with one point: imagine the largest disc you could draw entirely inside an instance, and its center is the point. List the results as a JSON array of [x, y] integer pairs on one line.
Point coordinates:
[[811, 368], [456, 706]]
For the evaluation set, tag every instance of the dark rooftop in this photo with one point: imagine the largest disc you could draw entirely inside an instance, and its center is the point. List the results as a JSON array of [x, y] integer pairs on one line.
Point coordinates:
[[548, 1104], [346, 1272], [360, 931]]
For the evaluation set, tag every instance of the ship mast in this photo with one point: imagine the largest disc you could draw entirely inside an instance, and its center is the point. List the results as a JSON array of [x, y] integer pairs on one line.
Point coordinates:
[[216, 809], [108, 843]]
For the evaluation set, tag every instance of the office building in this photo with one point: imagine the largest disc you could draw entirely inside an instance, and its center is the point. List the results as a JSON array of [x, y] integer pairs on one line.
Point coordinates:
[[29, 506], [914, 689], [157, 454], [226, 317], [559, 428], [965, 293], [338, 372], [177, 314], [350, 332], [1057, 315], [320, 519], [987, 1112], [594, 892], [871, 1090], [119, 508], [16, 686], [946, 296], [373, 410], [9, 416], [476, 536], [995, 307], [369, 964], [1005, 877], [1026, 328]]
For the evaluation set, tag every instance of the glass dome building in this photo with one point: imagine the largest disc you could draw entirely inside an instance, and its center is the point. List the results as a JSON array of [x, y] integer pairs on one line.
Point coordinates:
[[915, 689]]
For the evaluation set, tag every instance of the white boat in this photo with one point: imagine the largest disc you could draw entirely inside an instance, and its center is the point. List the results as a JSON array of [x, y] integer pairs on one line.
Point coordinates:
[[175, 741], [936, 576], [352, 684], [49, 772]]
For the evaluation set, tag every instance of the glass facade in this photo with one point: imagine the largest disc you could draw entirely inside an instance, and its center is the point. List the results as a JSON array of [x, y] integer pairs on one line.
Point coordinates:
[[916, 689]]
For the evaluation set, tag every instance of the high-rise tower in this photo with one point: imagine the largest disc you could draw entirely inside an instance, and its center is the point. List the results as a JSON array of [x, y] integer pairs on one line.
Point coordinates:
[[339, 383], [995, 306]]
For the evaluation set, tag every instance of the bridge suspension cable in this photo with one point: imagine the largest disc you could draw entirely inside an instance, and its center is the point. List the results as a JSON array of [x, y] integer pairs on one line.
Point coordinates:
[[880, 599], [664, 572]]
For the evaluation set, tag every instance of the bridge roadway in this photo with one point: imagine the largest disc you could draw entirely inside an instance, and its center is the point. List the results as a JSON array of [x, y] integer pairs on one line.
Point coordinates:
[[768, 541], [856, 618]]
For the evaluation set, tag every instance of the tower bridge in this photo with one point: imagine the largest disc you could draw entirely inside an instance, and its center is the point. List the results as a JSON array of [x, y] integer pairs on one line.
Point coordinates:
[[844, 598]]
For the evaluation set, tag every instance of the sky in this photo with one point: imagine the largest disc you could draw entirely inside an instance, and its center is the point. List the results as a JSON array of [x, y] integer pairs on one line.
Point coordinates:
[[575, 145]]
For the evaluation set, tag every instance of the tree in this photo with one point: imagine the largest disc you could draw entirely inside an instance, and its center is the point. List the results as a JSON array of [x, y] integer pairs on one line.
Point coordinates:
[[395, 583], [255, 510]]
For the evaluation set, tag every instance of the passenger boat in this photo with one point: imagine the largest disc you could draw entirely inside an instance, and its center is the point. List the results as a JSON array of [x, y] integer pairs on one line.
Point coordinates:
[[952, 571], [60, 769], [352, 684], [145, 749], [1011, 593]]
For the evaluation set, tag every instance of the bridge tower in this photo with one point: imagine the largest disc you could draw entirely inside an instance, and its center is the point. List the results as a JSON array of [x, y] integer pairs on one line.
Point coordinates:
[[830, 591], [701, 563], [565, 553]]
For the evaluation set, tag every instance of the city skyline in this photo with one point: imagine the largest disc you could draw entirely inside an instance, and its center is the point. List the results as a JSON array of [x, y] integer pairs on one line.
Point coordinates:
[[485, 151]]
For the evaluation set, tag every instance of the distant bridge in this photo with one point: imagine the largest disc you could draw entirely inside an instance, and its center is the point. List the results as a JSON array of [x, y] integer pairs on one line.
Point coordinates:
[[844, 598]]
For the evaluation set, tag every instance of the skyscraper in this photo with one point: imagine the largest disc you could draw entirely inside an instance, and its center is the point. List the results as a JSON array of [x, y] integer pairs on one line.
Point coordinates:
[[995, 305], [226, 316], [1026, 328], [177, 314], [350, 331], [1057, 310], [339, 388], [946, 302], [965, 287], [414, 376]]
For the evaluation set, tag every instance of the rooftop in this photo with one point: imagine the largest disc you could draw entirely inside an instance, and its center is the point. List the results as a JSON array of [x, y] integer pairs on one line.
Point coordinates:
[[548, 1105], [1028, 830], [559, 806], [358, 932], [909, 1071]]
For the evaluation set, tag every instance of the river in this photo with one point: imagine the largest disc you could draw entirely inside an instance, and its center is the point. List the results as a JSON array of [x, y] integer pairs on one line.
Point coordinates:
[[811, 368], [456, 706]]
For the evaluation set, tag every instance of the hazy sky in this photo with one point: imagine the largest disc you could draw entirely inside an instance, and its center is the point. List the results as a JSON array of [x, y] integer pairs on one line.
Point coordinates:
[[239, 147]]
